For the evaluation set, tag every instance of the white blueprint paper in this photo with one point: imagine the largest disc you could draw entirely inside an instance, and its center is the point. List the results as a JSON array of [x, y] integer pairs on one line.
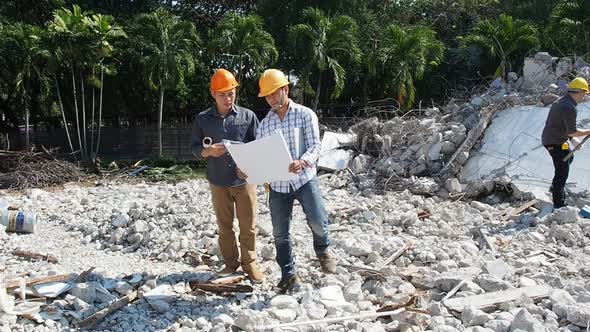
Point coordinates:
[[263, 160]]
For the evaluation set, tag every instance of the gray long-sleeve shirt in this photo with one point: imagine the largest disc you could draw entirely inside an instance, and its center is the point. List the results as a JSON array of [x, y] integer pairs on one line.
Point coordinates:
[[239, 124]]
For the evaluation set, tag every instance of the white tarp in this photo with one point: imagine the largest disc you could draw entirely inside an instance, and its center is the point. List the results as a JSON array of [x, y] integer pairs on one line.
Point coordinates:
[[263, 160], [512, 146]]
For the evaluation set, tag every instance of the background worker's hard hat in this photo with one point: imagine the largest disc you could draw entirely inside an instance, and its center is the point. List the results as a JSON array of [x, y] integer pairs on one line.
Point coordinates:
[[270, 81], [578, 84], [223, 80]]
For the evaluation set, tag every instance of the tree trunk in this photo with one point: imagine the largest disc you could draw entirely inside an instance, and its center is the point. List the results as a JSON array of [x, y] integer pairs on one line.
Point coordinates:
[[63, 113], [317, 93], [84, 147], [92, 119], [161, 109], [27, 115], [77, 112], [99, 110]]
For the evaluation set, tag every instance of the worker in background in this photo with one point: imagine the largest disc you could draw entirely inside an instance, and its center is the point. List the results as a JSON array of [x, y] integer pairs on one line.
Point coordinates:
[[560, 127], [296, 122], [226, 120]]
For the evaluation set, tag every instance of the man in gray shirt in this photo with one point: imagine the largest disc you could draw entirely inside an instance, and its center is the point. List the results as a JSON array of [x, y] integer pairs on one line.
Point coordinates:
[[228, 121], [559, 128]]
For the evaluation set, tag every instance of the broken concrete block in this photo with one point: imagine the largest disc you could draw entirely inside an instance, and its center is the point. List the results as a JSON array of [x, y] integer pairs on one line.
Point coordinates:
[[524, 321], [491, 283], [472, 316], [284, 302], [85, 292], [123, 288], [498, 268], [121, 220], [159, 305], [359, 164], [335, 160], [453, 185], [537, 73], [549, 98], [543, 56]]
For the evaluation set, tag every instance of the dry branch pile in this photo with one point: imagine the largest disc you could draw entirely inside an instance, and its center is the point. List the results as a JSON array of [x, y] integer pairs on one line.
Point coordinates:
[[35, 169]]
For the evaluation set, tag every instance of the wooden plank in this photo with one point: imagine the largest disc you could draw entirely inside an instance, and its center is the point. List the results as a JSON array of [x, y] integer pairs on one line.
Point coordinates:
[[229, 280], [490, 300], [15, 283], [118, 304], [520, 209], [34, 255], [395, 256], [219, 288]]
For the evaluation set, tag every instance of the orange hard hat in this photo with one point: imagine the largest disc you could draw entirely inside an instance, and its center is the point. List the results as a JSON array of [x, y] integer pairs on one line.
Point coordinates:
[[223, 80], [270, 81]]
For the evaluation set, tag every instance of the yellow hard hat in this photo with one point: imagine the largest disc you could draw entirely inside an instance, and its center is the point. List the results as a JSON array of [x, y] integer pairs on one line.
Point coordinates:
[[270, 81], [223, 80], [578, 84]]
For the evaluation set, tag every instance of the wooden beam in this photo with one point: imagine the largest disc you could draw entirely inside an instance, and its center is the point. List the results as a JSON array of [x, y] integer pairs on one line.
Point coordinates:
[[15, 283], [220, 288], [228, 280], [491, 300], [34, 255], [520, 209], [395, 256], [118, 304]]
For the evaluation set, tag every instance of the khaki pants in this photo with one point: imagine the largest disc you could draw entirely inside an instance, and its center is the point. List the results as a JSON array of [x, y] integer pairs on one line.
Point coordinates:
[[223, 199]]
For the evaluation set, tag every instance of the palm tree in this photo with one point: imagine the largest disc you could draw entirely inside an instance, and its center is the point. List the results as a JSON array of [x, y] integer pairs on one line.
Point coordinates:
[[70, 31], [503, 38], [405, 54], [26, 41], [569, 26], [169, 50], [328, 41], [104, 31], [243, 40]]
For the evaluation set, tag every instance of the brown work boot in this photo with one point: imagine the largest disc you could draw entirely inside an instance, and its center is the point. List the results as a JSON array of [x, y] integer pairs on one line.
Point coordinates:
[[253, 273], [327, 262], [227, 271], [288, 284]]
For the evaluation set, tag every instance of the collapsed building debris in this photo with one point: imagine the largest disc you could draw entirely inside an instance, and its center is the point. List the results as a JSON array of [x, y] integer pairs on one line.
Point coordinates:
[[426, 256]]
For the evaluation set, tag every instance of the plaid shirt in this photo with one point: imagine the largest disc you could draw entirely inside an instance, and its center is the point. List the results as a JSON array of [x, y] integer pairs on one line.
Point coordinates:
[[298, 116]]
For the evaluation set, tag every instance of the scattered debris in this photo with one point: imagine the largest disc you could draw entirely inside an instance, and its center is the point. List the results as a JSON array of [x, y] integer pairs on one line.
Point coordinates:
[[491, 300], [33, 255]]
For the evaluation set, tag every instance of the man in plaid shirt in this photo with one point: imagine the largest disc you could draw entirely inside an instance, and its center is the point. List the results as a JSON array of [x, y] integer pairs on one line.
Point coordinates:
[[300, 129]]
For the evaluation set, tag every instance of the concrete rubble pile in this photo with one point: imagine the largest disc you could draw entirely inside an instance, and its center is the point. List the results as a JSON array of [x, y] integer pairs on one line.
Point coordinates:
[[427, 151], [416, 250], [431, 257]]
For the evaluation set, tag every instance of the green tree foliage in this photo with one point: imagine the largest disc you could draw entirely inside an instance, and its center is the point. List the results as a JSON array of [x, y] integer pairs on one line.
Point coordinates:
[[327, 40], [169, 47], [569, 27], [504, 38], [25, 44], [405, 55], [241, 44]]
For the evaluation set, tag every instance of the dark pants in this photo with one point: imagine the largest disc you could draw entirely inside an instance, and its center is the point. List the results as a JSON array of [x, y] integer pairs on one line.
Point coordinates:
[[562, 171]]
